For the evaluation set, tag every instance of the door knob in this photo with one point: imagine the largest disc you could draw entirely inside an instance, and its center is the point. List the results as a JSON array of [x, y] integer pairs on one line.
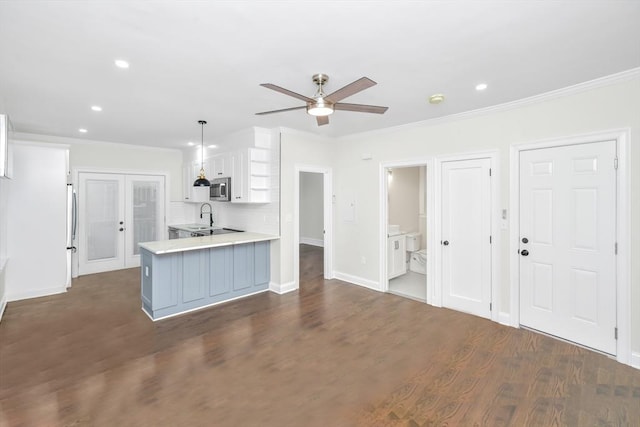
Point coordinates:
[[121, 229], [525, 240], [121, 222], [524, 252], [446, 243]]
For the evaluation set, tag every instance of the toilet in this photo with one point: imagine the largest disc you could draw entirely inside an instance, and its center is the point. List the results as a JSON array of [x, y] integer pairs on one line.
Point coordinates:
[[417, 256]]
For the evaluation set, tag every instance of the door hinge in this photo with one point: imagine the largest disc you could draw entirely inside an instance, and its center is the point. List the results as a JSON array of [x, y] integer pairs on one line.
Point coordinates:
[[615, 333], [615, 163], [489, 171], [490, 306], [616, 248], [490, 240]]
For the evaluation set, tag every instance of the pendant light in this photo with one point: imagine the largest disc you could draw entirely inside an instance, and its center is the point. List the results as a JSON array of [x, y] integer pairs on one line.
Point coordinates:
[[202, 181]]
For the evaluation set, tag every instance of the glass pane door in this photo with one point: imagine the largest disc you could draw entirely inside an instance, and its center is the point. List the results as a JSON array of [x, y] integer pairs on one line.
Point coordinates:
[[101, 215], [145, 213]]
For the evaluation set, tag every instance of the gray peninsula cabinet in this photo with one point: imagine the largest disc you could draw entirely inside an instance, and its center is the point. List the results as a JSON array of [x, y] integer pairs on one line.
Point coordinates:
[[188, 274]]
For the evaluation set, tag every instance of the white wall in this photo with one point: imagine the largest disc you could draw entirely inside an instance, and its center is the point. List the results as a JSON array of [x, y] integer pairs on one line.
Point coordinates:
[[404, 198], [596, 108], [311, 208], [106, 156], [297, 148], [109, 156]]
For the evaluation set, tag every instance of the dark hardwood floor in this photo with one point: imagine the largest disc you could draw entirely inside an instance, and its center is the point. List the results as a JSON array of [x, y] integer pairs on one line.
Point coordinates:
[[330, 354]]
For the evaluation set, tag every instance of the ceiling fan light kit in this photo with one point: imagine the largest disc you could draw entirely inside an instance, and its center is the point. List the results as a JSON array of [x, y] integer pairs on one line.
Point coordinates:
[[321, 105], [320, 108]]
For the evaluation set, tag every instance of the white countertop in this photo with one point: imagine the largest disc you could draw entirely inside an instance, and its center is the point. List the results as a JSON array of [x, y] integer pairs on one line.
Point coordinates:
[[194, 243]]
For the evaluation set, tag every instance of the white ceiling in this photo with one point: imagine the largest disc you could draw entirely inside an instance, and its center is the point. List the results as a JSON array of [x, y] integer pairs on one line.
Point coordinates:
[[194, 60]]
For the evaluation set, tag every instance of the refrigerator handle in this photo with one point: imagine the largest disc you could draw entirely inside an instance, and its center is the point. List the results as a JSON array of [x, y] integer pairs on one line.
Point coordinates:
[[74, 215]]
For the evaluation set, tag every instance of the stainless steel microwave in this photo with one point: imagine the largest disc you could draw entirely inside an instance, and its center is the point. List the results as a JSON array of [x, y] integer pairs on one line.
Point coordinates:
[[220, 190]]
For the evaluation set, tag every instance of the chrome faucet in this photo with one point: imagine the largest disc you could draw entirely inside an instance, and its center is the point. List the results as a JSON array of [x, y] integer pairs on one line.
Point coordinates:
[[210, 213]]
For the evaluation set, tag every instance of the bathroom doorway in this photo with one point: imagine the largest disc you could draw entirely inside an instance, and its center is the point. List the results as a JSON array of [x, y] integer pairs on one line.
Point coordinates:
[[406, 231]]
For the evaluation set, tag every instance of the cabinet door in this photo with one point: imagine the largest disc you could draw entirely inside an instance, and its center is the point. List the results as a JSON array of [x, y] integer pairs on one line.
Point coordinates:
[[239, 177], [396, 255], [220, 167]]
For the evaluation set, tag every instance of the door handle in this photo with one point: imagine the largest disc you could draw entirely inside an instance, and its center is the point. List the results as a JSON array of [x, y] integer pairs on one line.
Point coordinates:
[[525, 240], [121, 229], [397, 245], [524, 252], [446, 243]]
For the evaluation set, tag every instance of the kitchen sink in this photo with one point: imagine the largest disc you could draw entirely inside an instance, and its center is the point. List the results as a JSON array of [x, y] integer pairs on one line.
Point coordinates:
[[197, 230], [198, 227]]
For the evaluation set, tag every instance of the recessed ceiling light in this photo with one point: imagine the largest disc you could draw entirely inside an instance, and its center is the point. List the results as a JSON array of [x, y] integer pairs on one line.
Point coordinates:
[[212, 146], [436, 98], [121, 63], [82, 130], [481, 86], [96, 108]]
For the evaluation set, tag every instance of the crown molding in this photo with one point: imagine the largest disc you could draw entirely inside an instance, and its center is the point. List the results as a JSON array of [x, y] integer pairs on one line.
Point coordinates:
[[35, 137], [536, 99]]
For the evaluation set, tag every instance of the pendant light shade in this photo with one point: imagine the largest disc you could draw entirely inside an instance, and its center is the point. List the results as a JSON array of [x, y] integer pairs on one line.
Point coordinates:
[[201, 181]]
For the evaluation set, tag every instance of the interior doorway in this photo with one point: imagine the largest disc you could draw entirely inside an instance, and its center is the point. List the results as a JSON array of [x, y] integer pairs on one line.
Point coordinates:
[[407, 229], [406, 245], [313, 216], [311, 226]]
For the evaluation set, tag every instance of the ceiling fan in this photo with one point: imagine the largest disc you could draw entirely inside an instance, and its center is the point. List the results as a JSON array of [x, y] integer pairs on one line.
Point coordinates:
[[321, 105]]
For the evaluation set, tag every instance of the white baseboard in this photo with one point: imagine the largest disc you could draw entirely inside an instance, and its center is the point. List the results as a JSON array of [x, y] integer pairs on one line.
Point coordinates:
[[3, 305], [312, 242], [504, 318], [36, 293], [370, 284], [282, 288], [635, 359]]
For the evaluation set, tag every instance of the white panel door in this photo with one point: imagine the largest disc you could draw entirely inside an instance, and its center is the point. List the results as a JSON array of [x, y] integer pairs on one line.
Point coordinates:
[[101, 214], [466, 233], [144, 208], [567, 243]]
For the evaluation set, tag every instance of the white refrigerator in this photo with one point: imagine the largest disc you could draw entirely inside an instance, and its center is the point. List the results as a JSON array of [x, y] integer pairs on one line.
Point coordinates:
[[39, 222]]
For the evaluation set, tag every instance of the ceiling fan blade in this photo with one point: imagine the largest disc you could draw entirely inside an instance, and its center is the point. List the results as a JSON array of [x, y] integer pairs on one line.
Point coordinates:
[[376, 109], [281, 111], [351, 89], [322, 120], [286, 92]]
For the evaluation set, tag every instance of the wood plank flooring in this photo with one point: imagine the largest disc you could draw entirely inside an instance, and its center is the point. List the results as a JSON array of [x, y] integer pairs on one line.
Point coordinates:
[[330, 354]]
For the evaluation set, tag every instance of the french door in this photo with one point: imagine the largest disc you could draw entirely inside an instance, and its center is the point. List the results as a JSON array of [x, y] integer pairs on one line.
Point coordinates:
[[567, 243], [117, 212], [466, 236]]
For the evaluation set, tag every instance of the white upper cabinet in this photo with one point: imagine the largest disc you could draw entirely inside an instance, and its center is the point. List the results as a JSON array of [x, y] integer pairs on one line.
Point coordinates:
[[248, 166], [220, 166]]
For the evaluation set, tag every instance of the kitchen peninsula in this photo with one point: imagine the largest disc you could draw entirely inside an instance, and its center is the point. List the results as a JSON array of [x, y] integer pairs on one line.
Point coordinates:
[[182, 275]]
